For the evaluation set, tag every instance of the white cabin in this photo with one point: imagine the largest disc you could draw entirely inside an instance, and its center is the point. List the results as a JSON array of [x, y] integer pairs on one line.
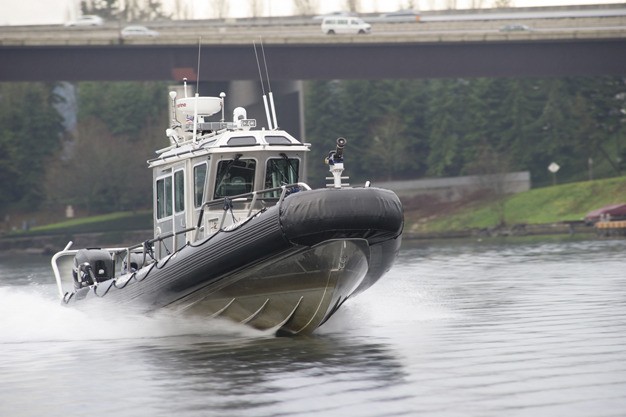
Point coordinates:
[[212, 160]]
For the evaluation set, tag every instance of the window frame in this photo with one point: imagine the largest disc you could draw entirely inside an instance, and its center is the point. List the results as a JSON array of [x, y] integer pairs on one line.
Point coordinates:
[[250, 184], [179, 191], [164, 197], [202, 188], [267, 172]]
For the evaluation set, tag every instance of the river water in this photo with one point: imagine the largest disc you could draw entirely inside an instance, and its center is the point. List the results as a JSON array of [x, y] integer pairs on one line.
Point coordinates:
[[492, 328]]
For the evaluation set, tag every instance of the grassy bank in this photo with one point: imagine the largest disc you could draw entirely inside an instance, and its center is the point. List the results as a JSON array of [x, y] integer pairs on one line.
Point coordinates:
[[568, 202], [112, 222], [560, 203]]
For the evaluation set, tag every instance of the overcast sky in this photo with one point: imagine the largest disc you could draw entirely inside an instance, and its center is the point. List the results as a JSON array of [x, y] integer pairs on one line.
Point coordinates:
[[32, 12]]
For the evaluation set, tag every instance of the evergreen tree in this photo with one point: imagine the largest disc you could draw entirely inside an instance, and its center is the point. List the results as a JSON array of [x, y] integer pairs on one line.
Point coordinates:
[[411, 98], [445, 155], [9, 172], [30, 130], [555, 134], [362, 105], [322, 107], [474, 122], [125, 107], [521, 120], [605, 102]]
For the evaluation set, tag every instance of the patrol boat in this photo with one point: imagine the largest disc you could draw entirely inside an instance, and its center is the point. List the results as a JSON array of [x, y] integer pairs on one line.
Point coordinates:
[[238, 233]]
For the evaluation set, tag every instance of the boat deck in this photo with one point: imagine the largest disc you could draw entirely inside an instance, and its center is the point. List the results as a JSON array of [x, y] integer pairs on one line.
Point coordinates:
[[611, 228]]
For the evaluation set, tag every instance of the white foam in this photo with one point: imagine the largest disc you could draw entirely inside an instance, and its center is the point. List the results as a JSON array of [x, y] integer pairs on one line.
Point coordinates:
[[28, 315]]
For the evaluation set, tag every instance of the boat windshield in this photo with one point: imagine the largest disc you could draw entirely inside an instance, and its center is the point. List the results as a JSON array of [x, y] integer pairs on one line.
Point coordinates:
[[234, 177], [281, 171]]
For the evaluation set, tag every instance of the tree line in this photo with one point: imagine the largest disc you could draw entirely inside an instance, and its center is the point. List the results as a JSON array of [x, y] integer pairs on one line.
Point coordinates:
[[150, 10], [98, 163], [402, 129], [396, 129]]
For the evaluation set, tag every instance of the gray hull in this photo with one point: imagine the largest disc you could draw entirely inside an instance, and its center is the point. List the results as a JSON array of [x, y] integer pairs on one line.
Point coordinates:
[[288, 268]]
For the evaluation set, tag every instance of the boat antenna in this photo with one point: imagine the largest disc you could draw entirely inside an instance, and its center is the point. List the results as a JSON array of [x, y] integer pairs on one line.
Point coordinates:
[[267, 111], [195, 102], [269, 87], [198, 72]]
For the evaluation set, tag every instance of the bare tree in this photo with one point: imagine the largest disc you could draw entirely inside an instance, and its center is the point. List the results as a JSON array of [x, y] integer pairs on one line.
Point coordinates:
[[432, 4], [353, 5], [451, 4], [103, 173], [306, 7], [128, 10], [501, 4], [256, 7], [182, 10], [220, 8], [409, 5], [477, 4]]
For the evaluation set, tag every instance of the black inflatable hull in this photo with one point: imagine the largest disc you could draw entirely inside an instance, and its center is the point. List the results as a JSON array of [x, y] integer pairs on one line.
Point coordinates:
[[288, 268]]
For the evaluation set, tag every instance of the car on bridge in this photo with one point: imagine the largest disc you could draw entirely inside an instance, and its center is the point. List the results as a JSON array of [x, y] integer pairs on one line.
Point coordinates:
[[345, 25], [400, 16], [515, 28], [86, 20], [336, 14], [138, 31]]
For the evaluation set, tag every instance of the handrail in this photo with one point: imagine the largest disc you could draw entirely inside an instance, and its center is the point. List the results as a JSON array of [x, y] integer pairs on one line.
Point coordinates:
[[67, 252], [221, 201], [254, 195], [55, 267]]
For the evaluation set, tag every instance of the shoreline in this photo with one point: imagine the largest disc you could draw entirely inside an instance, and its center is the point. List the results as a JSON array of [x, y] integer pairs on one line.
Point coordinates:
[[546, 229], [50, 244]]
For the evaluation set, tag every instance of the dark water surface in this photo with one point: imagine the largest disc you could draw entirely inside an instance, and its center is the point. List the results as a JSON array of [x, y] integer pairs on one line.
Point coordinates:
[[494, 328]]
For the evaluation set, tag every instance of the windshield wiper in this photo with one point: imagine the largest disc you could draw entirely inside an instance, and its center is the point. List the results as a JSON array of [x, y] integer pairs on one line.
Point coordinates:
[[293, 170], [227, 170]]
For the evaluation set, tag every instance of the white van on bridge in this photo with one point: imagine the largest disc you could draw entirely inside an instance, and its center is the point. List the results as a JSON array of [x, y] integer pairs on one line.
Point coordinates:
[[342, 24]]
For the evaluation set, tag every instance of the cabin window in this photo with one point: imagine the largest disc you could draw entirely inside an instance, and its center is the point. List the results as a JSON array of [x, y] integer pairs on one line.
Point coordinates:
[[164, 197], [235, 176], [242, 141], [179, 191], [281, 171], [277, 140], [199, 180]]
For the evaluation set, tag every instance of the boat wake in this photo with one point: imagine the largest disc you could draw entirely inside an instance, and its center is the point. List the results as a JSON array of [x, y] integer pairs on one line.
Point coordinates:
[[28, 314], [397, 302]]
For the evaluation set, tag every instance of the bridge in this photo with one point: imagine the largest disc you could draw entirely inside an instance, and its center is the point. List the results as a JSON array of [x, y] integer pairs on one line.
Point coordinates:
[[571, 45]]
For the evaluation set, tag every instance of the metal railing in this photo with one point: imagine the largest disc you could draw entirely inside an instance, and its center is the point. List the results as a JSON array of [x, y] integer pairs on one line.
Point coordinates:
[[251, 199]]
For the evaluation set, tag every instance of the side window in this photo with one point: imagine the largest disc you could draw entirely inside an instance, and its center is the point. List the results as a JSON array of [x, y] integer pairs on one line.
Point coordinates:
[[234, 177], [281, 171], [199, 179], [179, 191], [164, 197]]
